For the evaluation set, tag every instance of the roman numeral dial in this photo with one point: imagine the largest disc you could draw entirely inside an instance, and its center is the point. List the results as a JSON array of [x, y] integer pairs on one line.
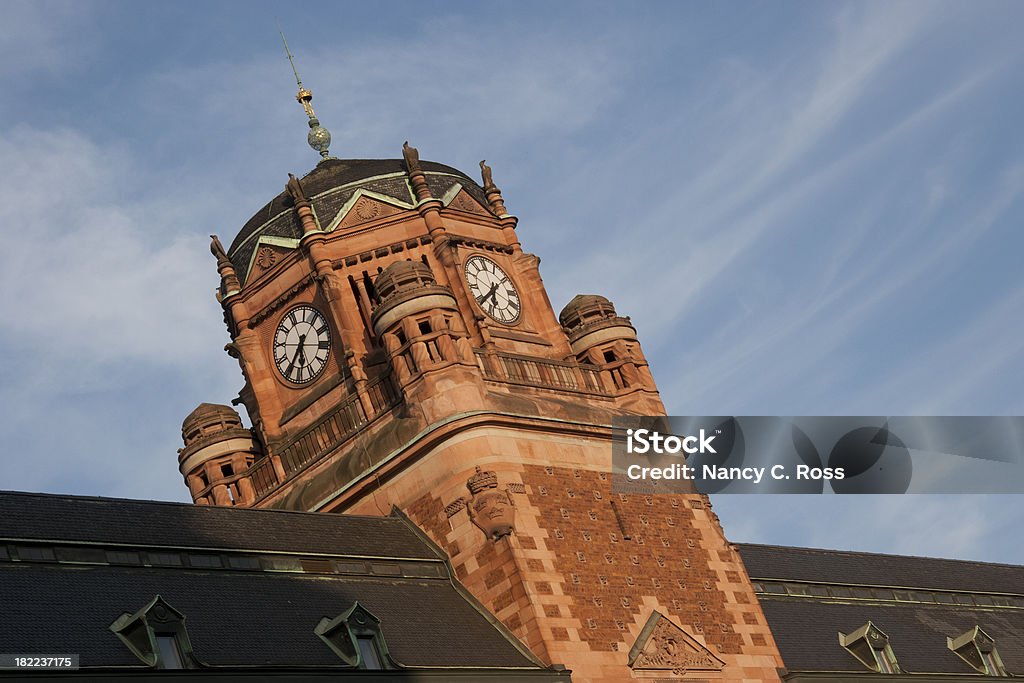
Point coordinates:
[[493, 289], [302, 344]]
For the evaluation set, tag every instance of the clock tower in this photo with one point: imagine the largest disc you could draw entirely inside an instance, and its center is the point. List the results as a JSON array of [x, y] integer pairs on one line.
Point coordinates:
[[399, 351]]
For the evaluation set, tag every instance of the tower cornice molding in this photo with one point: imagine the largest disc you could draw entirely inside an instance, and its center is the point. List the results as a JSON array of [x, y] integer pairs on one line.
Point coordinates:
[[438, 435]]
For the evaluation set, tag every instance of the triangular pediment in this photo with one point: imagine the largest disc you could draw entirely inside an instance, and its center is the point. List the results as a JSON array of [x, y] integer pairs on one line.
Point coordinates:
[[457, 198], [365, 206], [268, 252], [663, 647], [365, 210], [268, 255]]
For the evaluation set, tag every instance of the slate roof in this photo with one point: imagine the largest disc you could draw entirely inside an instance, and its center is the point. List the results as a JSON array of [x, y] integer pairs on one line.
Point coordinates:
[[320, 186], [875, 569], [69, 566], [151, 523], [806, 633], [915, 605]]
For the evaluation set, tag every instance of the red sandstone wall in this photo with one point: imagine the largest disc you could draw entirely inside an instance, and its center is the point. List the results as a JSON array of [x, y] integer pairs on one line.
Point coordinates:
[[569, 582]]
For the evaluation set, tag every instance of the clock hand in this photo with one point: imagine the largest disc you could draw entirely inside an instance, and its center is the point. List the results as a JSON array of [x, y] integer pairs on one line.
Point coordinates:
[[488, 295], [291, 364], [302, 349]]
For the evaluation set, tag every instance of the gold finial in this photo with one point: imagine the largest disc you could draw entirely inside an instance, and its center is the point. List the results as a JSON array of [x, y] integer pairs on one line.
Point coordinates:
[[319, 138]]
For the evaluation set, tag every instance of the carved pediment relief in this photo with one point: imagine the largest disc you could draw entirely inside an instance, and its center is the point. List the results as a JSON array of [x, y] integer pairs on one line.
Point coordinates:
[[663, 648], [268, 253], [364, 210], [463, 201]]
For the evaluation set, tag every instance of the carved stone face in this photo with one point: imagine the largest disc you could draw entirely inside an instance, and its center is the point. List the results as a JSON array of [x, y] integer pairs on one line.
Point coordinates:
[[492, 511]]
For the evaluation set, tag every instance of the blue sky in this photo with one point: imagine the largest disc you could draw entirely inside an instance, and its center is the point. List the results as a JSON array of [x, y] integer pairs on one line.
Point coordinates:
[[806, 208]]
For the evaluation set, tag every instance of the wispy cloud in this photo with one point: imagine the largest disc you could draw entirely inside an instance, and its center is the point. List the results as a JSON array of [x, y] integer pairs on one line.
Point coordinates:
[[993, 340], [783, 216], [40, 36], [85, 260]]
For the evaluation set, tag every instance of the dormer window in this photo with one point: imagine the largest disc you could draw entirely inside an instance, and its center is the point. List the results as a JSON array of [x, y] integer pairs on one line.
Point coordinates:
[[871, 648], [355, 636], [168, 651], [978, 649], [156, 635], [369, 656]]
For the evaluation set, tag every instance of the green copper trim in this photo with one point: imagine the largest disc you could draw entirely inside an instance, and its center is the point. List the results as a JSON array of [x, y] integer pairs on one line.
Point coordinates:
[[369, 194]]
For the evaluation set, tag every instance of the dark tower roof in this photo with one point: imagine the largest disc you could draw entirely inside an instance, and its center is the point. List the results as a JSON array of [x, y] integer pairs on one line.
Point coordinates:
[[330, 185]]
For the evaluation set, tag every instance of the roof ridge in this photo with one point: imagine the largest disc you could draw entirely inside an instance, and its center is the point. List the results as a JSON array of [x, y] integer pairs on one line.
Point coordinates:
[[193, 506], [839, 551]]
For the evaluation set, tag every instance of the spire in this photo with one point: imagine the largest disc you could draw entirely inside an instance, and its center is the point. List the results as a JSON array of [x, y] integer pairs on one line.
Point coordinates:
[[319, 138]]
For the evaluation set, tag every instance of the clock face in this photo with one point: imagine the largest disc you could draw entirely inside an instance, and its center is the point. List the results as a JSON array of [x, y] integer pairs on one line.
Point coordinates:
[[302, 344], [493, 289]]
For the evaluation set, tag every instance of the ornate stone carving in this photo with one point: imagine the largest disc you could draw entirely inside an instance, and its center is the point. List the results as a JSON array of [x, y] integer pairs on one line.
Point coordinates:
[[453, 508], [464, 201], [491, 191], [217, 249], [664, 648], [331, 285], [412, 158], [228, 279], [367, 209], [485, 172], [266, 258], [490, 508], [294, 189]]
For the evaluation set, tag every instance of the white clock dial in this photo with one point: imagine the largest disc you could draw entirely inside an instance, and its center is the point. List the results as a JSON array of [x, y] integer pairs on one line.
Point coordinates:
[[302, 344], [493, 289]]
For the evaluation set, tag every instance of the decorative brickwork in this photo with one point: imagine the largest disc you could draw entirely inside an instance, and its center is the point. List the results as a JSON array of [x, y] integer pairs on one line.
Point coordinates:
[[593, 576], [613, 584]]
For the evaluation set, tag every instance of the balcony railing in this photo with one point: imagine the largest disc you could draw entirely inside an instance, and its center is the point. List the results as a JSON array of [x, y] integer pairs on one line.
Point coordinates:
[[547, 374], [351, 415], [325, 435]]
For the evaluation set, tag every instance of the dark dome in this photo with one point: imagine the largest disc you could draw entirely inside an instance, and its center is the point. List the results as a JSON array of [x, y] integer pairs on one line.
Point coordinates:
[[330, 185], [585, 308]]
